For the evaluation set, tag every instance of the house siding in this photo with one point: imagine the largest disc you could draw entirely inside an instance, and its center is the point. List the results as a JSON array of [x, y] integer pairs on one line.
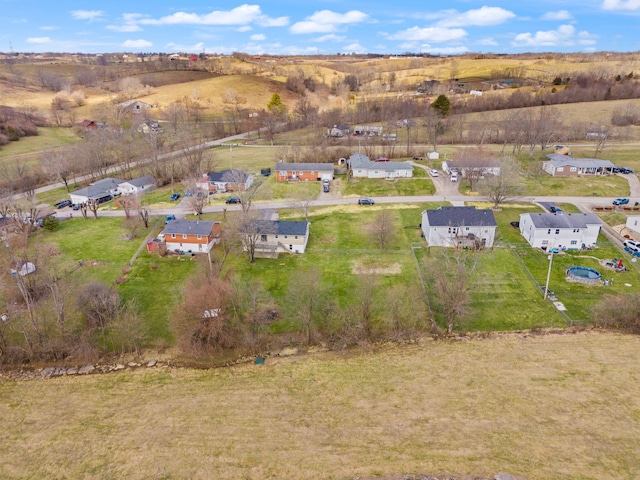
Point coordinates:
[[561, 237]]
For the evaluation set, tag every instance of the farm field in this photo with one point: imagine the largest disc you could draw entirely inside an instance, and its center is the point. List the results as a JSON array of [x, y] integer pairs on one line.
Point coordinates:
[[553, 406]]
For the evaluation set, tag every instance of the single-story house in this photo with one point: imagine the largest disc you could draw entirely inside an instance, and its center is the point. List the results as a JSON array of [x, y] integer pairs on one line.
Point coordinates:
[[362, 167], [193, 236], [633, 223], [100, 191], [560, 230], [230, 180], [278, 236], [338, 131], [368, 130], [474, 167], [565, 166], [295, 172], [150, 126], [459, 227], [137, 186]]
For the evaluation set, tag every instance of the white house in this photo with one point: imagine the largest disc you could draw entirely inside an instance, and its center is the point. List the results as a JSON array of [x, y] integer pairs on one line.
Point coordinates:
[[474, 167], [362, 167], [137, 186], [560, 230], [278, 236], [433, 155], [225, 181], [633, 223], [459, 227], [100, 191]]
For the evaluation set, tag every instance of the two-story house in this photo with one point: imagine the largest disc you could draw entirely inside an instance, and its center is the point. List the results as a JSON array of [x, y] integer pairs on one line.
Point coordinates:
[[459, 227], [277, 236], [560, 230], [194, 236]]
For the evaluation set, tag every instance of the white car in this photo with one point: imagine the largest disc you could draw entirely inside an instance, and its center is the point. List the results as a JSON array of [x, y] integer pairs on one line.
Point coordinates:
[[433, 172], [631, 244], [454, 177]]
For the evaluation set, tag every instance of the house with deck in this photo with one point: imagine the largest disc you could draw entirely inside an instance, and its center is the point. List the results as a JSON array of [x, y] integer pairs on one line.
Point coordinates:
[[272, 237], [564, 231], [187, 236], [459, 227]]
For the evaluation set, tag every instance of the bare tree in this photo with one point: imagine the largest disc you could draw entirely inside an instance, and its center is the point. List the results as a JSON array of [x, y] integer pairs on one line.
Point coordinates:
[[500, 188], [311, 301], [59, 164], [452, 274], [144, 215], [234, 109], [93, 206], [382, 229]]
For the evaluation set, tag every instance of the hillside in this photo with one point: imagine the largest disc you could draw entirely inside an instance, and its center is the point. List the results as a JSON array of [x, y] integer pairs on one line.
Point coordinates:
[[538, 407]]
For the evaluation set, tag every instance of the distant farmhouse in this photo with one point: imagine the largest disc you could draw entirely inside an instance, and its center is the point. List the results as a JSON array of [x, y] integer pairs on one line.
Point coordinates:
[[338, 131], [134, 106], [459, 227], [564, 166], [361, 166], [560, 230]]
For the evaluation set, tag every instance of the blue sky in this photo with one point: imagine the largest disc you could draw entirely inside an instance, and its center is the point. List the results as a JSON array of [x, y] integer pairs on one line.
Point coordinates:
[[326, 26]]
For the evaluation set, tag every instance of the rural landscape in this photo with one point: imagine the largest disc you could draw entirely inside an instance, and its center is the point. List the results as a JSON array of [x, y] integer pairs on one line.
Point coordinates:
[[326, 266]]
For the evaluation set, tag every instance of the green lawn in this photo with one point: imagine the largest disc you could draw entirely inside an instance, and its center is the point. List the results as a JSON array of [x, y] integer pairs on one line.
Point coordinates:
[[585, 186], [375, 187], [47, 138]]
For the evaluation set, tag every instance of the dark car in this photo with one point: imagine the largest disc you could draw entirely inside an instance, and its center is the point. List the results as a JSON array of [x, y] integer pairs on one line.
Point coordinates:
[[365, 201], [175, 197], [169, 218], [621, 201], [325, 187], [63, 204], [76, 206], [626, 170], [554, 209], [233, 200]]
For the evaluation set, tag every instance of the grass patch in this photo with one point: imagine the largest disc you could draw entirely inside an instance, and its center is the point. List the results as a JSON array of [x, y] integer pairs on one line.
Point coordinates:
[[340, 416], [373, 187], [576, 186], [30, 147]]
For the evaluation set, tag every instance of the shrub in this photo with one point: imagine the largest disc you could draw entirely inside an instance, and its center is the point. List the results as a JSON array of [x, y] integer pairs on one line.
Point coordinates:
[[621, 312]]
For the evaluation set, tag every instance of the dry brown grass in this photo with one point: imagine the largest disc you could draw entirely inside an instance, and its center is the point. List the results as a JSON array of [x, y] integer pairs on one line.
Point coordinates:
[[540, 407]]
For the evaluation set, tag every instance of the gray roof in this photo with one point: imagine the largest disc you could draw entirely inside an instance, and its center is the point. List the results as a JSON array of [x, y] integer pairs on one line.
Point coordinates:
[[559, 160], [281, 227], [189, 227], [474, 163], [314, 167], [228, 176], [142, 181], [99, 189], [460, 216], [358, 160], [564, 220]]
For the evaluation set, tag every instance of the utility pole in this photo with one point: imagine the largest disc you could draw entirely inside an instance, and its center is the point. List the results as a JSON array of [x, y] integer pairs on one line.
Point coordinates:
[[546, 288]]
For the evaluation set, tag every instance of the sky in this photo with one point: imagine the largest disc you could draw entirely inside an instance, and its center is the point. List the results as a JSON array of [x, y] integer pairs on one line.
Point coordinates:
[[280, 27]]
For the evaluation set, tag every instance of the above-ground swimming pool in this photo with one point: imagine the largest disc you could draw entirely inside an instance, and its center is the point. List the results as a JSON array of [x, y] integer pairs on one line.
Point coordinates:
[[584, 275]]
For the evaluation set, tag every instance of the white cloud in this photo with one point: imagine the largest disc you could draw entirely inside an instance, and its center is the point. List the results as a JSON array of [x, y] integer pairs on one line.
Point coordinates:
[[430, 34], [560, 15], [137, 44], [329, 38], [129, 23], [354, 48], [326, 21], [176, 47], [484, 16], [488, 41], [49, 27], [565, 35], [90, 15], [621, 5], [445, 50], [244, 28], [39, 40], [242, 15], [258, 37]]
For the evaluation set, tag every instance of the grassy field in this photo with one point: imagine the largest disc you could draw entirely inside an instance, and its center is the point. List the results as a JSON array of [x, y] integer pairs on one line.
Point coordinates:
[[538, 407]]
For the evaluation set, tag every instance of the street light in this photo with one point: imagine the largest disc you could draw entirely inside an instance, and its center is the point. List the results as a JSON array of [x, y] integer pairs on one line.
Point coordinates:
[[546, 288]]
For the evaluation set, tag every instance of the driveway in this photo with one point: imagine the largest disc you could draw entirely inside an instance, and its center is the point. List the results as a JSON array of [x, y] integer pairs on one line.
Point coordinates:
[[444, 186]]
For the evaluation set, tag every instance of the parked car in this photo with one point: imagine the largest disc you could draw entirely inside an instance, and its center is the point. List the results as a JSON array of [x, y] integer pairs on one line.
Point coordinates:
[[454, 176], [175, 197], [76, 206], [621, 201], [63, 204], [188, 193], [554, 209], [325, 187], [626, 170], [365, 201], [631, 243], [169, 218], [233, 200], [433, 172]]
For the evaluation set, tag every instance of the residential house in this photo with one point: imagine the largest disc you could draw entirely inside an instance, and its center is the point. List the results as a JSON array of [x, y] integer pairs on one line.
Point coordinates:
[[459, 227], [472, 167], [338, 131], [225, 181], [137, 186], [433, 155], [191, 236], [149, 127], [633, 223], [100, 191], [90, 125], [565, 166], [295, 172], [367, 130], [361, 166], [278, 236], [560, 230]]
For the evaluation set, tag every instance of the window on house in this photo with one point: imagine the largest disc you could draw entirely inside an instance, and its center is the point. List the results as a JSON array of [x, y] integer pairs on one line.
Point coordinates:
[[286, 236], [549, 232], [574, 242], [296, 237], [276, 236], [560, 169], [283, 174], [467, 229], [545, 242], [557, 231], [263, 238], [573, 169], [173, 235], [184, 236], [199, 237]]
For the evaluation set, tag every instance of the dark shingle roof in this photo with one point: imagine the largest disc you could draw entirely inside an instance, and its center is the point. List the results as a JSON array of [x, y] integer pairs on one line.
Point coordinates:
[[281, 227], [99, 189], [228, 176], [142, 181], [460, 216], [562, 160], [189, 227], [564, 220]]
